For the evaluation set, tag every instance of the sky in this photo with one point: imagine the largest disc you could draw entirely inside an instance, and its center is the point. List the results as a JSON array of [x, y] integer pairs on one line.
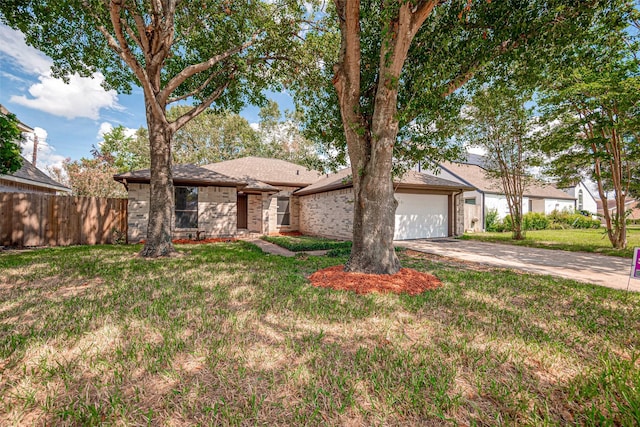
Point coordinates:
[[69, 118]]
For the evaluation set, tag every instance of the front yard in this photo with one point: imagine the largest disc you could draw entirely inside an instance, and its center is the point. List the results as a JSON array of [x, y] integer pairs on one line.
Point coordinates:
[[227, 335], [577, 240]]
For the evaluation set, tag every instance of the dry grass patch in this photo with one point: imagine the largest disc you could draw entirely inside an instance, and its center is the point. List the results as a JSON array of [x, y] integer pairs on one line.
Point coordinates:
[[227, 336]]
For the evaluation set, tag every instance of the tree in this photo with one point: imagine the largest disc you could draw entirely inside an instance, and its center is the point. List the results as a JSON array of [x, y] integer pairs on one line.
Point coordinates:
[[592, 108], [93, 177], [127, 152], [213, 137], [283, 139], [397, 74], [209, 51], [498, 121], [10, 152]]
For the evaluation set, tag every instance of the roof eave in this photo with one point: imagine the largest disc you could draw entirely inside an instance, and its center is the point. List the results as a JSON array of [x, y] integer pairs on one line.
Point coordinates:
[[36, 183]]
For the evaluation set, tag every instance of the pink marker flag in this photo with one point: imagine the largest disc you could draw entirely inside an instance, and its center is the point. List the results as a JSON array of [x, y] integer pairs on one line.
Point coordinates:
[[635, 267]]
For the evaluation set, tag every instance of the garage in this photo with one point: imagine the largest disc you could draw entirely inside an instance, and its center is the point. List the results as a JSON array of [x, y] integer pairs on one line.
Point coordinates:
[[421, 216], [428, 207]]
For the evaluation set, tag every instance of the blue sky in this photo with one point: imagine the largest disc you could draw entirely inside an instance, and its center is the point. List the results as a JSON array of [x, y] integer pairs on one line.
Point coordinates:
[[69, 119]]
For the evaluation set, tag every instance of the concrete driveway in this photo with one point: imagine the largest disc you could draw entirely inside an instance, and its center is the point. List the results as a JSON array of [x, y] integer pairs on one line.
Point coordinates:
[[609, 271]]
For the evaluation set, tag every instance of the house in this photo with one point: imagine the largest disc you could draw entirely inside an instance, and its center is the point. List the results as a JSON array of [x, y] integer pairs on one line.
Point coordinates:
[[585, 200], [29, 179], [488, 194], [428, 206], [270, 196], [630, 205], [241, 196]]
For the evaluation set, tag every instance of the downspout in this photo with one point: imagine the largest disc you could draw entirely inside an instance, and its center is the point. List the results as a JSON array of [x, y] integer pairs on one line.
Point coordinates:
[[483, 211], [455, 213]]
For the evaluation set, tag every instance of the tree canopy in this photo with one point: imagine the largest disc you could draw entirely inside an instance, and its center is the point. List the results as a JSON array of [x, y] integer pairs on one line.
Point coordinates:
[[10, 151], [395, 73], [591, 108], [209, 52]]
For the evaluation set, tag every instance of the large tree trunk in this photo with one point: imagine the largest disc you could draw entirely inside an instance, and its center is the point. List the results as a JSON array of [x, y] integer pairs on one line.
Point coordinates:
[[371, 138], [161, 204], [373, 214]]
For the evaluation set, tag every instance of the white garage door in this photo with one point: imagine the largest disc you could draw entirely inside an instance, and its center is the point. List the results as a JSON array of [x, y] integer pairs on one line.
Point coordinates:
[[421, 216]]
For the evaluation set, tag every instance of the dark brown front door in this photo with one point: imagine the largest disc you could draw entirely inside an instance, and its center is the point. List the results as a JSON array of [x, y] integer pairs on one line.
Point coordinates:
[[242, 211]]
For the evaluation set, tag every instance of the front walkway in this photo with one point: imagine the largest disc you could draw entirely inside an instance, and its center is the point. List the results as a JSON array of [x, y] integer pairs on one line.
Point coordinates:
[[609, 271], [270, 248]]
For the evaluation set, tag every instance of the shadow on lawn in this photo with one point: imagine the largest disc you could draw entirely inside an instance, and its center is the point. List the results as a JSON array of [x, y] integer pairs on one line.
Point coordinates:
[[228, 335]]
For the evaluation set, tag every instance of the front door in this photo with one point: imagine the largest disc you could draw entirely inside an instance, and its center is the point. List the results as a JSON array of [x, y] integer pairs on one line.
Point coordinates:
[[242, 211]]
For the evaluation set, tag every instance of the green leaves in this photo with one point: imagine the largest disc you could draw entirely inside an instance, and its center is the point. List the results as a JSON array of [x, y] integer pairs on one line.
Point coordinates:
[[10, 135]]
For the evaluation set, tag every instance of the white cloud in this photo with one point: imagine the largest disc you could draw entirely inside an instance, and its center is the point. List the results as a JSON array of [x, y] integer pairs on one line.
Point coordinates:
[[82, 97], [47, 155], [106, 127], [29, 59]]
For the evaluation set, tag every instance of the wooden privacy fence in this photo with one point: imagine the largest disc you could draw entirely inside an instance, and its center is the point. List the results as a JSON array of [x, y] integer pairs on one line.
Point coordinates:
[[29, 219]]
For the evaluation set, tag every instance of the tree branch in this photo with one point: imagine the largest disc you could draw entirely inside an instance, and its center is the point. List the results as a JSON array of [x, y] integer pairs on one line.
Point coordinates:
[[188, 116], [191, 70]]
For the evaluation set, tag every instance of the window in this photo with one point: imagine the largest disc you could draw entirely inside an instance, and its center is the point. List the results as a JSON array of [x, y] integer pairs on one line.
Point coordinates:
[[580, 200], [283, 211], [186, 207], [470, 201]]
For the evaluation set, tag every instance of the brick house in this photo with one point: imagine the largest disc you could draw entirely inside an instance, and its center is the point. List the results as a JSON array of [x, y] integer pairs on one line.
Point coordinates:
[[269, 196]]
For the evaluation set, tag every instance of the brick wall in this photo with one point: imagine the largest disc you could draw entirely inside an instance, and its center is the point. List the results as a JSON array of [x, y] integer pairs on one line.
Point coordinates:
[[327, 214], [255, 219], [217, 214], [217, 211], [138, 217], [330, 214], [271, 214]]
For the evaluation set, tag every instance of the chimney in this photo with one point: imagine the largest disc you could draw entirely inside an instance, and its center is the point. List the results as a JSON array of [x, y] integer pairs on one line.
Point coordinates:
[[35, 149]]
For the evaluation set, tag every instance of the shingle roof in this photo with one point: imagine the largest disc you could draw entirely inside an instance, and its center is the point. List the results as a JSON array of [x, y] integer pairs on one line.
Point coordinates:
[[35, 176], [185, 174], [476, 176], [411, 179], [269, 171]]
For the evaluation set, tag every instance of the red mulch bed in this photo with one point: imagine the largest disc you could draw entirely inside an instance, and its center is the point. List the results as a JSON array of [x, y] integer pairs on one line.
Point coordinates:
[[407, 281], [197, 242], [211, 240]]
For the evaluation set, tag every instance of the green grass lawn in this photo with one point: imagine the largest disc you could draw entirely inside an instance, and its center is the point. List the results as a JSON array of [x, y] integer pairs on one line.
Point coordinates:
[[306, 243], [569, 240], [226, 335]]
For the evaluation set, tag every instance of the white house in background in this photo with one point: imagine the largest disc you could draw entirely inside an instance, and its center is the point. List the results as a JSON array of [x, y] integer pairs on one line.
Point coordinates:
[[488, 195], [585, 201]]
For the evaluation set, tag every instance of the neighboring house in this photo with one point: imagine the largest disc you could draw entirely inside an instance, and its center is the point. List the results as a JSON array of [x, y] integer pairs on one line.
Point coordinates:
[[428, 207], [29, 179], [488, 195], [270, 196], [631, 205], [585, 201]]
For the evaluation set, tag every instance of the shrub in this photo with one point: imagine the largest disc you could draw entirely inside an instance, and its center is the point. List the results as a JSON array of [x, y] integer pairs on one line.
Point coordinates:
[[573, 220], [491, 221], [535, 221]]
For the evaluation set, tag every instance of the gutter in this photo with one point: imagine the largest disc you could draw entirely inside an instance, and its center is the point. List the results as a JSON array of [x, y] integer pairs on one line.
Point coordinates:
[[36, 183]]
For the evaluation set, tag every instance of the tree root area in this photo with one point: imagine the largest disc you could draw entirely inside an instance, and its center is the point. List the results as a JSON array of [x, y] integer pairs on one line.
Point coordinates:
[[406, 281]]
